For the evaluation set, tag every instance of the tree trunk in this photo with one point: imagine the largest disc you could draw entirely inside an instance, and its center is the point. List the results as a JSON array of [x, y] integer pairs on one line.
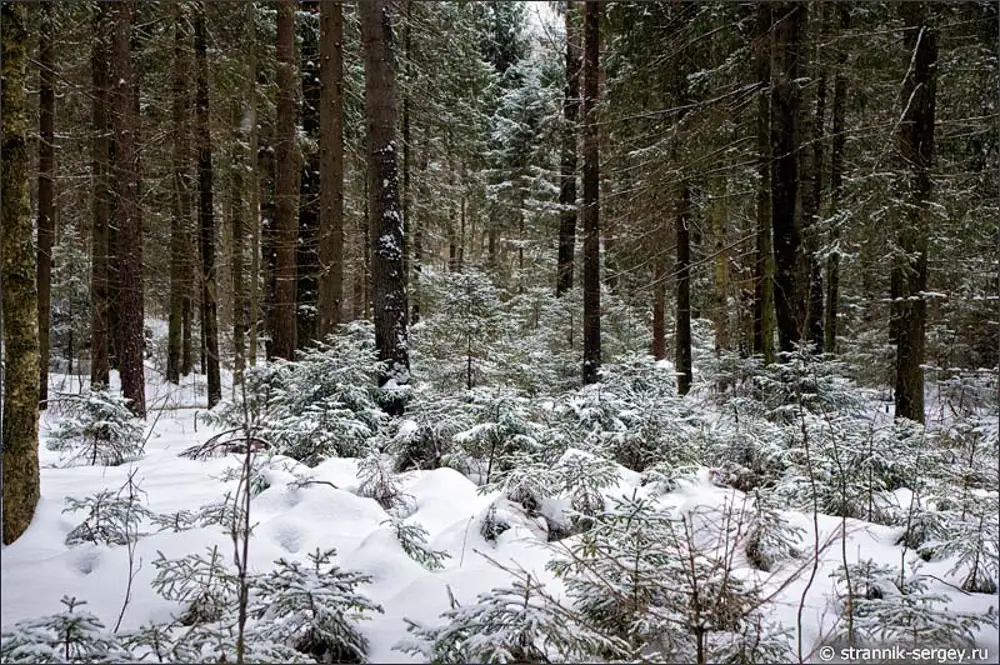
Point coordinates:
[[126, 123], [915, 146], [567, 186], [286, 189], [307, 266], [763, 301], [386, 232], [331, 147], [812, 213], [789, 297], [659, 305], [46, 193], [100, 168], [255, 216], [180, 287], [591, 198], [19, 296], [236, 216], [206, 213], [682, 361], [836, 185]]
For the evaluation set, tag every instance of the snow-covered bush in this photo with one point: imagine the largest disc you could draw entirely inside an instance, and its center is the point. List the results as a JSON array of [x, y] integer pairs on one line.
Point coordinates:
[[584, 478], [504, 431], [638, 574], [770, 538], [113, 518], [376, 470], [314, 609], [71, 636], [425, 438], [413, 539], [96, 428], [206, 586], [888, 606], [516, 624], [322, 405]]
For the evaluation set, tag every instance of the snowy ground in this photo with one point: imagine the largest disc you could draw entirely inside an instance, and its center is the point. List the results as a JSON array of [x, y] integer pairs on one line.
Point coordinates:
[[293, 521]]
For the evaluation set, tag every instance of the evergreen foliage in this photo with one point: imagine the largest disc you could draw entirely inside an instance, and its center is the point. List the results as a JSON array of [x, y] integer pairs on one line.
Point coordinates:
[[96, 428]]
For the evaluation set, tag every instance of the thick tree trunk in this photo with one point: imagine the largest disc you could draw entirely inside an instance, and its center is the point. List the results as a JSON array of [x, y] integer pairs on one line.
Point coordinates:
[[567, 185], [101, 214], [206, 213], [331, 174], [789, 296], [915, 146], [386, 232], [763, 269], [286, 189], [836, 185], [19, 296], [46, 192], [591, 198], [682, 358], [126, 123], [180, 287], [307, 265], [813, 198]]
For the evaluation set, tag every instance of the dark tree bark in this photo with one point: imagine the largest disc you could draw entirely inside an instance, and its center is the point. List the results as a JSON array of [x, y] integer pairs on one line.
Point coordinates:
[[331, 174], [567, 185], [307, 265], [660, 305], [46, 192], [813, 198], [19, 296], [386, 227], [789, 295], [591, 198], [682, 361], [101, 214], [836, 184], [238, 222], [254, 188], [763, 269], [286, 166], [125, 118], [915, 146], [206, 212], [180, 286]]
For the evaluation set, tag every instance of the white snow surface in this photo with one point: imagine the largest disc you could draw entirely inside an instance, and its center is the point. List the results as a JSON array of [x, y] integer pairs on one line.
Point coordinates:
[[38, 569]]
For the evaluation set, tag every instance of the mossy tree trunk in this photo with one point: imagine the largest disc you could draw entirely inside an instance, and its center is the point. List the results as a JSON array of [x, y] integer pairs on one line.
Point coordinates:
[[19, 296]]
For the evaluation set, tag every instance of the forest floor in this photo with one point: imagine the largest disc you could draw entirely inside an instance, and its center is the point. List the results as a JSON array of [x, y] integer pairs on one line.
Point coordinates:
[[294, 519]]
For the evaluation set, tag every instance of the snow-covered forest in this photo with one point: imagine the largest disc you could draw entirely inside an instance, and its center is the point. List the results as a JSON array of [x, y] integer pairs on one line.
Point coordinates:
[[502, 332]]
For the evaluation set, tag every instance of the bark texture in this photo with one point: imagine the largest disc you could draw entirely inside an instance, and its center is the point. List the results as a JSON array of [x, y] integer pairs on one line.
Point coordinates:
[[101, 213], [19, 296], [46, 192], [386, 227], [331, 174], [788, 32], [682, 358], [125, 118], [286, 195], [915, 147], [180, 286], [206, 214], [591, 198]]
